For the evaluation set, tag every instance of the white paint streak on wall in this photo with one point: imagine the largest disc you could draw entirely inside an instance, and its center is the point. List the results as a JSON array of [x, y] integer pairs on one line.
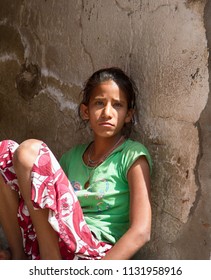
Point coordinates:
[[47, 73], [55, 93], [58, 96], [9, 57], [25, 44], [3, 21]]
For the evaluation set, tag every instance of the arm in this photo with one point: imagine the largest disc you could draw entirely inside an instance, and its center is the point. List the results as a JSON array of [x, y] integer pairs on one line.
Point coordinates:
[[140, 213]]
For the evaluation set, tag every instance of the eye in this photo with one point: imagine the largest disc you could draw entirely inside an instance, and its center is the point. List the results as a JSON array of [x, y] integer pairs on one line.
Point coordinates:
[[117, 105], [99, 103]]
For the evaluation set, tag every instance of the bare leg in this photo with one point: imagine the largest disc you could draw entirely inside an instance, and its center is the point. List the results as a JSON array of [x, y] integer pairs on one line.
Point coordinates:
[[8, 218], [23, 160]]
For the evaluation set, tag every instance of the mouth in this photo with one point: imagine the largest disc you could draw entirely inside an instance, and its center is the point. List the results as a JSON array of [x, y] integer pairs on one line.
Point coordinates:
[[106, 124]]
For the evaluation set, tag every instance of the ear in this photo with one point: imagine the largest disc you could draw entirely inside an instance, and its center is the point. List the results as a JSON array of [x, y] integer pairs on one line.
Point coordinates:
[[84, 112], [129, 116]]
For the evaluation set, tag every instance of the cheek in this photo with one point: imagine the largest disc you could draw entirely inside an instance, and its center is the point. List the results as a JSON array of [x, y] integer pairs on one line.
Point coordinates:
[[98, 112], [93, 116]]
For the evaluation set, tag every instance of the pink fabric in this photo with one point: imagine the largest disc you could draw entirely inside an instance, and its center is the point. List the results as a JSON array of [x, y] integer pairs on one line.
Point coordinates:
[[51, 189]]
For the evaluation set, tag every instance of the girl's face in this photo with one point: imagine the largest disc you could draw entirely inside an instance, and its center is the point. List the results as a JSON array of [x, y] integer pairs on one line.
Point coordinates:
[[107, 110]]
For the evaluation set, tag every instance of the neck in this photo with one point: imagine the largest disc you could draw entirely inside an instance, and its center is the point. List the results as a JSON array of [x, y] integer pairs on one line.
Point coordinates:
[[102, 145], [102, 148]]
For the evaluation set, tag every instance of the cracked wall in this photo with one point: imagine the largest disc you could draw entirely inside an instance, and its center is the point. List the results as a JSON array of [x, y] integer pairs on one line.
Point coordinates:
[[49, 48]]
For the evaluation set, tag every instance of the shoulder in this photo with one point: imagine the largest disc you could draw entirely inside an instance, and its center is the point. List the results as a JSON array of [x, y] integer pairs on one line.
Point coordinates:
[[132, 150], [75, 152], [76, 149], [134, 145]]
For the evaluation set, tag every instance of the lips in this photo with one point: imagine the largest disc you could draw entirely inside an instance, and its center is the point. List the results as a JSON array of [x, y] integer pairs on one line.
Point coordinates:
[[106, 124]]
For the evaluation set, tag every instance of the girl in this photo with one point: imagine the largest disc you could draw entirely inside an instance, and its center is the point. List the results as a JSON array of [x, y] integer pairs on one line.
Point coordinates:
[[97, 206]]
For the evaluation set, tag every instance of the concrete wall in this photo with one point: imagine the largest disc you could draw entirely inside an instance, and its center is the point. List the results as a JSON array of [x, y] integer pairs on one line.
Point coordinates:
[[49, 48]]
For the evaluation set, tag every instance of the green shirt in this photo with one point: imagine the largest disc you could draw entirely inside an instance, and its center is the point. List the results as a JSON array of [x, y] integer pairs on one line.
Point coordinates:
[[105, 203]]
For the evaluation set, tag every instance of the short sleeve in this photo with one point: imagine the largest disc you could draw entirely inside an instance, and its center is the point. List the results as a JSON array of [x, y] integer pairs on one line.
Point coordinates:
[[131, 153]]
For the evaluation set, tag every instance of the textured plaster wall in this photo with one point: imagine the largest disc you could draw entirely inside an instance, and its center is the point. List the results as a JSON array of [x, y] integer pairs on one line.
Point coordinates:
[[49, 48]]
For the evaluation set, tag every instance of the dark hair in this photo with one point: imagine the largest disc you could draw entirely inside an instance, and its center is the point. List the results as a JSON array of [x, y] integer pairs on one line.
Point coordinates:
[[124, 82]]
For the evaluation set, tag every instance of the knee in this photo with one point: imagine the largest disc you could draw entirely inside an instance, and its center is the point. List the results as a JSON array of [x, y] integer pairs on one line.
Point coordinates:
[[26, 153]]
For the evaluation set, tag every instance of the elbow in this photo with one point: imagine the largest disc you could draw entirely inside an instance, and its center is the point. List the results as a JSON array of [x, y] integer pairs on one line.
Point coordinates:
[[148, 237], [144, 236]]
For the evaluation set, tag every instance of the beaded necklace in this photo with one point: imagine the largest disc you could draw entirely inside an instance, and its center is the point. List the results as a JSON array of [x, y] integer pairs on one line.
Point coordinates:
[[95, 163]]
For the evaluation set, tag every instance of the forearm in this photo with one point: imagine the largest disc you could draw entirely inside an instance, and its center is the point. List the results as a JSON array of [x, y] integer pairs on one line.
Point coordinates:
[[127, 245]]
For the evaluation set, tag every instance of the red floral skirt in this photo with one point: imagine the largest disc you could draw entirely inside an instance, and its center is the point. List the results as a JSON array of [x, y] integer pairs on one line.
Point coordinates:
[[51, 189]]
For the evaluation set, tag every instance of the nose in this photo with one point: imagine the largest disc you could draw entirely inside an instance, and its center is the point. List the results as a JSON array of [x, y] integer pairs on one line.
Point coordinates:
[[107, 110]]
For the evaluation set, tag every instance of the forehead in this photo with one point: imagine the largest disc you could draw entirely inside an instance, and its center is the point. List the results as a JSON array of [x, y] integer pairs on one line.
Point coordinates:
[[108, 89]]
